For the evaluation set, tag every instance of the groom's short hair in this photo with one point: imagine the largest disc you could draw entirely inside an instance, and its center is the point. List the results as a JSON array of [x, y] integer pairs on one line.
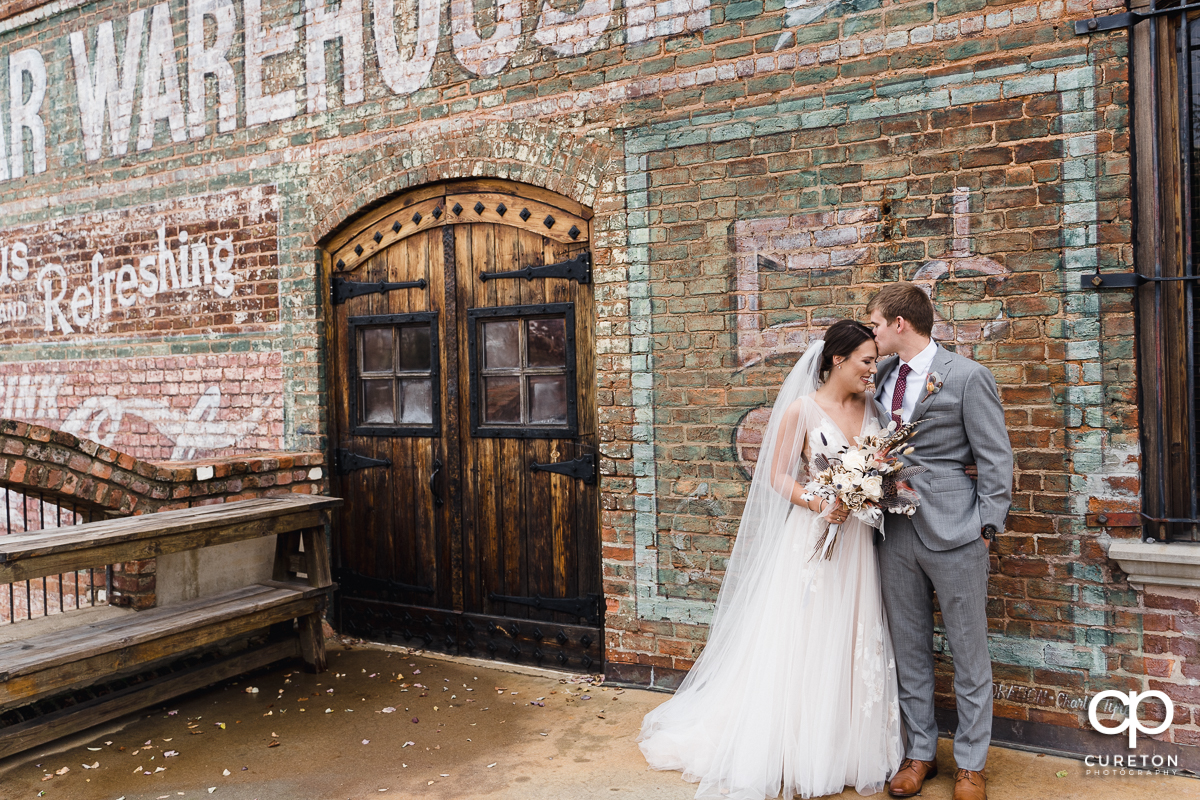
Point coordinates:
[[906, 300]]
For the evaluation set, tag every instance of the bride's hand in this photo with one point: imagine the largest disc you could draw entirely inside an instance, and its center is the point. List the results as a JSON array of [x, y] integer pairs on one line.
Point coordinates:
[[839, 514]]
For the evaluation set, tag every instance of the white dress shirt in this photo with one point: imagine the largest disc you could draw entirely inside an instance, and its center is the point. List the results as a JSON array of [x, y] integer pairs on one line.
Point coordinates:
[[915, 388]]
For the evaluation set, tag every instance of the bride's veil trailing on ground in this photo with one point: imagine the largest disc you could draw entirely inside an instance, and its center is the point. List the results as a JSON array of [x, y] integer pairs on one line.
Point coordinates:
[[762, 526]]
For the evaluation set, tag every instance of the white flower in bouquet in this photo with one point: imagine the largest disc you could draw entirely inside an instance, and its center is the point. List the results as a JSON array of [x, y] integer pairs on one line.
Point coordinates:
[[854, 461], [872, 486]]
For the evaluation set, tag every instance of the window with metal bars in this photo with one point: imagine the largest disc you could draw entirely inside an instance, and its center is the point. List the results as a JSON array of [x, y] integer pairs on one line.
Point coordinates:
[[1164, 88]]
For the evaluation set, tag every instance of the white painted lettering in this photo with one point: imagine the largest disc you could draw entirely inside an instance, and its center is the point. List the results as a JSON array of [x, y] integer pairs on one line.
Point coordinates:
[[184, 279], [223, 280], [25, 113], [80, 300], [160, 82], [53, 302], [20, 264], [166, 263], [204, 61], [97, 261], [127, 281], [261, 44], [97, 86], [322, 25], [405, 75], [485, 57], [149, 283], [201, 270]]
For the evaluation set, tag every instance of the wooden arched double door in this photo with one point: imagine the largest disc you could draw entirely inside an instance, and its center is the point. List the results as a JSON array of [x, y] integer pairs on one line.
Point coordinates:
[[464, 431]]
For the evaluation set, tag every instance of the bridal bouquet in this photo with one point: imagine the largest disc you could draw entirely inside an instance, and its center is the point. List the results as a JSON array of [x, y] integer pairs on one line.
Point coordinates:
[[868, 479]]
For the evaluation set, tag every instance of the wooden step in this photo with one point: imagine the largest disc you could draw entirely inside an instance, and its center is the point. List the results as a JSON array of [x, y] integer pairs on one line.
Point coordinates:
[[73, 658]]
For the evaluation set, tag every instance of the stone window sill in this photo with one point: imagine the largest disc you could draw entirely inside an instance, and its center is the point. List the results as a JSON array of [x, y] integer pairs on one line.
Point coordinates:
[[1175, 564]]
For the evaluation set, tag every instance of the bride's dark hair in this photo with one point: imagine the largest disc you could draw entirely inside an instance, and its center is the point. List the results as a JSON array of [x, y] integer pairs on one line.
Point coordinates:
[[841, 339]]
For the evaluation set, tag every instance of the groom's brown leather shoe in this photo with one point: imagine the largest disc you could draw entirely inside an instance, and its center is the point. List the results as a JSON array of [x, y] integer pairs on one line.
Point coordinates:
[[911, 776], [968, 785]]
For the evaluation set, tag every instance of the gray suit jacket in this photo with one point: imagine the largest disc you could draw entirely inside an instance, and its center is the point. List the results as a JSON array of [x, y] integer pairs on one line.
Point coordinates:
[[963, 423]]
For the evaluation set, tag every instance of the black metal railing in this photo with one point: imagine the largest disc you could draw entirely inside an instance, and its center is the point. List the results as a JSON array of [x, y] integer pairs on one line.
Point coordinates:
[[1164, 104], [25, 511]]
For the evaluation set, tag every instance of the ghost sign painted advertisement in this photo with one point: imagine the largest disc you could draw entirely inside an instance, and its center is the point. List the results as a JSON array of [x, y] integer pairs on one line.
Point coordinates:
[[206, 264]]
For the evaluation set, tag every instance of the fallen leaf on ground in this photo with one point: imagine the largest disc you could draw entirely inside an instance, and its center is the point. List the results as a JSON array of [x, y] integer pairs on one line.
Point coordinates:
[[91, 766], [489, 766], [389, 710], [62, 771], [225, 773], [274, 743]]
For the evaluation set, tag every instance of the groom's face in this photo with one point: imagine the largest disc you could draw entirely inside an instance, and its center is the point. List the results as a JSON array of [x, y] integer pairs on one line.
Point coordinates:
[[887, 338]]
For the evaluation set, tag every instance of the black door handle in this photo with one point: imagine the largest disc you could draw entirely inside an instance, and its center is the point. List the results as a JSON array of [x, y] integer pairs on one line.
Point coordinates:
[[437, 497]]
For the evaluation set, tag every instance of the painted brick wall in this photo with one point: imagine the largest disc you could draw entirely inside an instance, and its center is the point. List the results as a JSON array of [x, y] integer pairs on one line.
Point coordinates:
[[757, 169]]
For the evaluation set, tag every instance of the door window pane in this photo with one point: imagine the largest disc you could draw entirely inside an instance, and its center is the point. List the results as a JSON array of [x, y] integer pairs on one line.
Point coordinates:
[[377, 350], [502, 344], [416, 401], [502, 399], [547, 342], [414, 347], [379, 405], [396, 375], [548, 399]]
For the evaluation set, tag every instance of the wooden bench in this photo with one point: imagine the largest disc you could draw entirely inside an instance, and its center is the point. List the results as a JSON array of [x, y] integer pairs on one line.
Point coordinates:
[[282, 615]]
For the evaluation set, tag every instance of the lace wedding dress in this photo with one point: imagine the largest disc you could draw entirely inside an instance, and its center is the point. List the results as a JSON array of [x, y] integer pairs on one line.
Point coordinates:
[[796, 689]]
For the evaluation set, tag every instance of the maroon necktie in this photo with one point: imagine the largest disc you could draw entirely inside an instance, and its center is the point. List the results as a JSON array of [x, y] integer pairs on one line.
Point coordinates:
[[898, 392]]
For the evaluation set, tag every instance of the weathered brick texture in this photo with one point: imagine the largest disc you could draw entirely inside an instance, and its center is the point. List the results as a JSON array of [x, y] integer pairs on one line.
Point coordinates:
[[757, 169]]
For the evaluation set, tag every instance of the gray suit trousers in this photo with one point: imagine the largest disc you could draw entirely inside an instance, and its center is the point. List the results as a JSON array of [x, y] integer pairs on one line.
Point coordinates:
[[910, 573]]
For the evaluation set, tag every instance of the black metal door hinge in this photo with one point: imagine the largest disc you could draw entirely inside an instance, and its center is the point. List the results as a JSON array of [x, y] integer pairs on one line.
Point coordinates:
[[583, 468], [578, 269], [346, 462], [1126, 280], [343, 289], [1109, 22], [586, 607]]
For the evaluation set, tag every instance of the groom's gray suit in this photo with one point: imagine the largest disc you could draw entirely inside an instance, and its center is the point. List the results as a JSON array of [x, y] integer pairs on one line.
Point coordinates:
[[940, 548]]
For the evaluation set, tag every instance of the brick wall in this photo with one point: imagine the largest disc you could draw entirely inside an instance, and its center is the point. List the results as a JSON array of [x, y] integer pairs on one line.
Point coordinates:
[[757, 169]]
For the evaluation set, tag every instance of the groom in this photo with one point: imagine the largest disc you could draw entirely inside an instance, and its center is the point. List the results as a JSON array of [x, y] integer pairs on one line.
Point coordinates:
[[944, 546]]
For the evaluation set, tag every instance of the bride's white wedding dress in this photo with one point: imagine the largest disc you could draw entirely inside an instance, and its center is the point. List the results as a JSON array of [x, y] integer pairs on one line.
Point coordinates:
[[797, 691]]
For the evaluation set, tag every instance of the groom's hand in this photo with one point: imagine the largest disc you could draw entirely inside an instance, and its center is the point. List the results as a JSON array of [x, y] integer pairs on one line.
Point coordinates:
[[972, 471]]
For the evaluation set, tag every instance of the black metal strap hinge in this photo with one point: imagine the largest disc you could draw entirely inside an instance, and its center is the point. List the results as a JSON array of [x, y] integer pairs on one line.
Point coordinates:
[[577, 269], [1109, 22], [583, 468], [346, 462], [1126, 280], [343, 289], [586, 607]]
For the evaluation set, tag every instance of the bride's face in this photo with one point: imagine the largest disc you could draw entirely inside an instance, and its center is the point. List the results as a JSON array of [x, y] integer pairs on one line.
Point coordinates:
[[857, 372]]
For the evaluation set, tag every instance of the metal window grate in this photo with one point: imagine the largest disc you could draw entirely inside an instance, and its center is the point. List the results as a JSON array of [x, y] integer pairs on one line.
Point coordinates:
[[1164, 89], [55, 594]]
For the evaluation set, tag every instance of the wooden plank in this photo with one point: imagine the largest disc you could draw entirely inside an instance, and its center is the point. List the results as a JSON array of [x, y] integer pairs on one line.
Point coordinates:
[[316, 558], [388, 235], [523, 190], [61, 647], [163, 523], [373, 219], [312, 639], [33, 561], [561, 222], [45, 681], [40, 730]]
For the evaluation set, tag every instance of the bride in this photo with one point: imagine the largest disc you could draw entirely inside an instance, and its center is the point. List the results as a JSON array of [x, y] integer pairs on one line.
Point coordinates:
[[796, 688]]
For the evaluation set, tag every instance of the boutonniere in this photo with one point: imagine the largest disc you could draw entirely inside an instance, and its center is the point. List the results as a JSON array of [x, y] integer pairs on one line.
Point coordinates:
[[933, 385]]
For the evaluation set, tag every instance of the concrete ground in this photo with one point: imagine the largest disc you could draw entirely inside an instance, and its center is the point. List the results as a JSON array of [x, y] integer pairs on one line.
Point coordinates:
[[389, 724]]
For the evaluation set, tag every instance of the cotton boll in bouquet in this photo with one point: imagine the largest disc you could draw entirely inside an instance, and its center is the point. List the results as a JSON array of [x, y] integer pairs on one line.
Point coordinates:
[[869, 479]]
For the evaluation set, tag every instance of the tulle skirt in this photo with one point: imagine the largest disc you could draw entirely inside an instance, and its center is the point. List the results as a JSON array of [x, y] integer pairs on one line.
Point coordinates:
[[798, 697]]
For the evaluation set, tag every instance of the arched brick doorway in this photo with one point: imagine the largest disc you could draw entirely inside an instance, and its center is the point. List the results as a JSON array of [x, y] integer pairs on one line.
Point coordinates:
[[462, 388]]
